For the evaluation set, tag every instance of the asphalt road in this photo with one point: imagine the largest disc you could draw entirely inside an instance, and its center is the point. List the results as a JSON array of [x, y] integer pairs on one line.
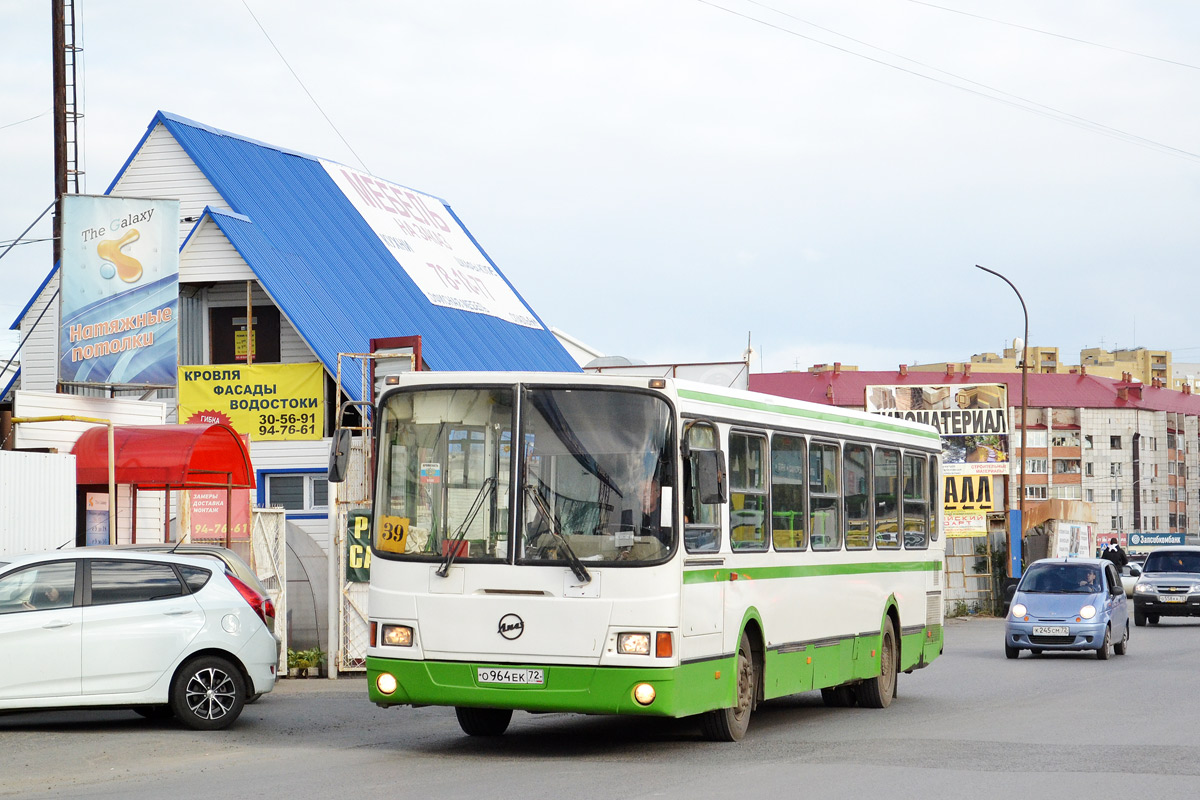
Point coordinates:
[[973, 724]]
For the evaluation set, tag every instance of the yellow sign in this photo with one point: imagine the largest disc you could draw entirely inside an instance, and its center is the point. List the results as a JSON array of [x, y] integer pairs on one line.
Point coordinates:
[[393, 534], [267, 401], [968, 493], [239, 344]]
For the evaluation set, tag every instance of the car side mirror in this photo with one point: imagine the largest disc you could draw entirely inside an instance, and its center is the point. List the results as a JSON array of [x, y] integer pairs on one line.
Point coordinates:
[[1135, 570], [339, 454], [710, 475]]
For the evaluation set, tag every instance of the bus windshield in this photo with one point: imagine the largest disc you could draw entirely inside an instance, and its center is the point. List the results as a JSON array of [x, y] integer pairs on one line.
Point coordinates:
[[594, 467], [599, 463]]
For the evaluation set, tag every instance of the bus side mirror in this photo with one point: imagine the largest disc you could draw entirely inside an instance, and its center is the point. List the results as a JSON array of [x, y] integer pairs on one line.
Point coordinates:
[[339, 454], [710, 475]]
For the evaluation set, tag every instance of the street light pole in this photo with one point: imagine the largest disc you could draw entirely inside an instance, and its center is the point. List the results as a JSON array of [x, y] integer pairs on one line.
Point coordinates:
[[1024, 408]]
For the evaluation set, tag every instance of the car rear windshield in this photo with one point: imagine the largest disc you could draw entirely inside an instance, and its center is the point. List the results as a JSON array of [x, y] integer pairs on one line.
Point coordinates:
[[1173, 562]]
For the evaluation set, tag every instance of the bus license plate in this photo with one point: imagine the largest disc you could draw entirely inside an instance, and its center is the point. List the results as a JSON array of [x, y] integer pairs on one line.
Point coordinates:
[[1051, 630], [528, 677], [1171, 598]]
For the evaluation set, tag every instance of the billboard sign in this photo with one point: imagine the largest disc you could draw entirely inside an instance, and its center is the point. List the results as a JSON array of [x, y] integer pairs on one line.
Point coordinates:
[[281, 402], [431, 246], [972, 419], [119, 291]]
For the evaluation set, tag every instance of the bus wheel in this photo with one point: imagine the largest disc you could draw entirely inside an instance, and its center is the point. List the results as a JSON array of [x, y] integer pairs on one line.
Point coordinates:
[[839, 697], [879, 691], [729, 724], [483, 721]]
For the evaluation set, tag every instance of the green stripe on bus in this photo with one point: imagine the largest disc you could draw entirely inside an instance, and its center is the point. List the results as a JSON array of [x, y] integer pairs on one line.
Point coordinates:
[[824, 416], [807, 571]]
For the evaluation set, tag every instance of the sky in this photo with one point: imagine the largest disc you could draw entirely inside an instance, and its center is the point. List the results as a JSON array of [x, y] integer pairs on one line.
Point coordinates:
[[670, 180]]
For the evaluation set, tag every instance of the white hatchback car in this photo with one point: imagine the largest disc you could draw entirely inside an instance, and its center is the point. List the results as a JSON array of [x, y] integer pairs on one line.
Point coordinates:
[[158, 633]]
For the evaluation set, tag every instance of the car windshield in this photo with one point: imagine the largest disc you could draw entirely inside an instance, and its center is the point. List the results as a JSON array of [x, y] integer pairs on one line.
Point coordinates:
[[1173, 562], [1062, 579]]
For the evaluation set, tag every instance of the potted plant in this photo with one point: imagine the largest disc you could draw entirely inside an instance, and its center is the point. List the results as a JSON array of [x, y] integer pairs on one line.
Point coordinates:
[[301, 661]]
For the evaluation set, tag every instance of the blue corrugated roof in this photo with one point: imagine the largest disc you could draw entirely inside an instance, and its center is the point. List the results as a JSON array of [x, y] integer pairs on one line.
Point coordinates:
[[328, 272]]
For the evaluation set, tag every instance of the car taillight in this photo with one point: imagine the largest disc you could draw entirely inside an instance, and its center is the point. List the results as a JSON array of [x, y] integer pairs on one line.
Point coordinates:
[[261, 605]]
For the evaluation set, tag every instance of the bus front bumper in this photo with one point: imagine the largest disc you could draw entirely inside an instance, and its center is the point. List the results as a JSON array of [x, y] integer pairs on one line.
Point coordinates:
[[678, 691]]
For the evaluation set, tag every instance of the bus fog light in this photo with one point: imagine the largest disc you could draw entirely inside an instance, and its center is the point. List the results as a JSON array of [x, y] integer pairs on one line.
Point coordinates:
[[397, 636], [386, 682], [633, 644], [643, 693]]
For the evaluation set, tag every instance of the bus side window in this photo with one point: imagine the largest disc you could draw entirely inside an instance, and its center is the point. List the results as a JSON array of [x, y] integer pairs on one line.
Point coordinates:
[[788, 513], [701, 521], [887, 499], [856, 481], [748, 491], [935, 505], [916, 501], [825, 497]]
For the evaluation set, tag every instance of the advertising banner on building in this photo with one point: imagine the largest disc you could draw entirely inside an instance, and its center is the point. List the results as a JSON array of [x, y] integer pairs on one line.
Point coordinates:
[[119, 291], [431, 246], [358, 547], [973, 422], [266, 401], [209, 520]]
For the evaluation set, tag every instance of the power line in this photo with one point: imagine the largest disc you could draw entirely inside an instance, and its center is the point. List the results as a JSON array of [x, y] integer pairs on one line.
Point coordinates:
[[23, 121], [305, 88], [999, 96], [1057, 35]]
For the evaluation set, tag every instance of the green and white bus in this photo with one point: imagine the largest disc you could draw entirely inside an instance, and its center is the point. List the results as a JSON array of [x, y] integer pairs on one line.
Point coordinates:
[[616, 545]]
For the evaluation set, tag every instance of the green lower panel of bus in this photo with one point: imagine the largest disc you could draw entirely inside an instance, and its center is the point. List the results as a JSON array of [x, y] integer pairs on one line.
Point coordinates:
[[678, 691]]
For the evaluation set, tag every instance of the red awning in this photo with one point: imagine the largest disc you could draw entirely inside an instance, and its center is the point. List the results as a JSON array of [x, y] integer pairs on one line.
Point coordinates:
[[165, 456]]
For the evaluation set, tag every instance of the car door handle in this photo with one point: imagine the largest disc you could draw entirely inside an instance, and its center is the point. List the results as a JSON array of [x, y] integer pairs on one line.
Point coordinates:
[[56, 624], [179, 613]]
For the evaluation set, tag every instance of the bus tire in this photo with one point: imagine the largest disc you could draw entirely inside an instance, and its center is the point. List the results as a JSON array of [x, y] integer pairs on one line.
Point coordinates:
[[839, 697], [879, 691], [730, 724], [483, 721]]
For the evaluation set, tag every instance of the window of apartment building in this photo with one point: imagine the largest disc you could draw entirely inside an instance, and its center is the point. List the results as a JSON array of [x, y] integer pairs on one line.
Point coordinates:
[[1066, 466], [1171, 445], [1153, 442], [1037, 466], [1114, 495], [1090, 496], [1173, 520], [1114, 443], [1172, 495], [1065, 439], [1117, 523], [1114, 468], [1035, 493], [1171, 468], [1087, 469], [1072, 491], [1155, 523], [1154, 495], [1087, 442], [1033, 438]]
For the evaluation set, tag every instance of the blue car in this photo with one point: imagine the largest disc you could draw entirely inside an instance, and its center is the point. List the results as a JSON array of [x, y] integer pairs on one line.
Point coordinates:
[[1068, 604]]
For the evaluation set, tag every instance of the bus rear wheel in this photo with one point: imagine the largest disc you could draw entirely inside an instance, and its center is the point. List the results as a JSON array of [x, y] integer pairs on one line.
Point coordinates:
[[730, 724], [879, 691], [483, 721]]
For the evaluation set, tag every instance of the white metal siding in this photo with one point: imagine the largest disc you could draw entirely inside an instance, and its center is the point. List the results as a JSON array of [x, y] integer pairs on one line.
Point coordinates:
[[37, 501], [162, 169], [209, 257], [62, 435], [39, 355]]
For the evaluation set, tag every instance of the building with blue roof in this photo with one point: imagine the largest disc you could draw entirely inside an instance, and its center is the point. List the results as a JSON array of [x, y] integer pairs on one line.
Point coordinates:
[[331, 260]]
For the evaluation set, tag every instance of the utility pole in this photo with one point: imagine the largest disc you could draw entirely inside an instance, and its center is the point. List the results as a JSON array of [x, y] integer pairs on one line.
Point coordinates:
[[67, 171]]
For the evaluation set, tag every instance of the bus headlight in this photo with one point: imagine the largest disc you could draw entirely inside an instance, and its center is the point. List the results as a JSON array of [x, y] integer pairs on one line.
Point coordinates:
[[386, 682], [643, 693], [633, 644], [397, 636]]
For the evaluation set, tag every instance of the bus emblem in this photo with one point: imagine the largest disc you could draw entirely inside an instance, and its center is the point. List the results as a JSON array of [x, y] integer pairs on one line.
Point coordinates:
[[511, 626]]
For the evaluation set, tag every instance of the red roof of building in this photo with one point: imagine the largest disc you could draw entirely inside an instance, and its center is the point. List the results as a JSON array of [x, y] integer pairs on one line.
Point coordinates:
[[848, 388]]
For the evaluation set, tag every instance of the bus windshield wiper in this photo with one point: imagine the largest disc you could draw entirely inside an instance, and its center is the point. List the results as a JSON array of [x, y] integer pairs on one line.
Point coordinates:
[[476, 504], [555, 529]]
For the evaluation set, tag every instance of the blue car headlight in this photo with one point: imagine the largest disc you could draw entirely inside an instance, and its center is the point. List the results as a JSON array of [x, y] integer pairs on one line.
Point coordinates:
[[1019, 610], [1088, 611]]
